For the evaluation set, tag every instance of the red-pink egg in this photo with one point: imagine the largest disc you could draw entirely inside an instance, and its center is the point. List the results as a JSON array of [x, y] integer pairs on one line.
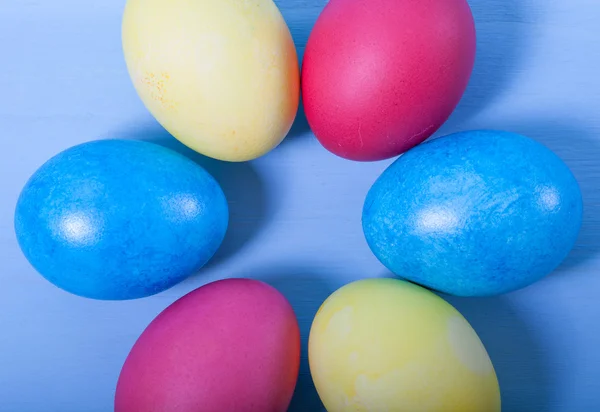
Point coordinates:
[[381, 76], [231, 345]]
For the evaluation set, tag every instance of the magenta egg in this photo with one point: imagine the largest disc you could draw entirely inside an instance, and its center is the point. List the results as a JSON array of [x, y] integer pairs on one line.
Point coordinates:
[[381, 76], [231, 345]]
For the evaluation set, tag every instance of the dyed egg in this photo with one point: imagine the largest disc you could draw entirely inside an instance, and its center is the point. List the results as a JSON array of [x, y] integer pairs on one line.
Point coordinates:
[[390, 345], [221, 76], [476, 213], [231, 345], [381, 76], [119, 219]]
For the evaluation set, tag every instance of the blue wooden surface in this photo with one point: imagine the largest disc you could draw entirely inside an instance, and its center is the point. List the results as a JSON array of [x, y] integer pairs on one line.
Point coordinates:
[[295, 212]]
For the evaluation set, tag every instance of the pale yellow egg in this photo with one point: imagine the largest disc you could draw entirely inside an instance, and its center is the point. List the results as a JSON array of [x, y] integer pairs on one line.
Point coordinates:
[[386, 345], [222, 76]]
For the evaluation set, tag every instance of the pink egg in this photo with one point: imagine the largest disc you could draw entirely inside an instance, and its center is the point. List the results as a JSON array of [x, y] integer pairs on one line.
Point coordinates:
[[381, 76], [231, 345]]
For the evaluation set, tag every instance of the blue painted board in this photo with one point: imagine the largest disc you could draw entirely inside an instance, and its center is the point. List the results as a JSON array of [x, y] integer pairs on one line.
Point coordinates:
[[295, 213]]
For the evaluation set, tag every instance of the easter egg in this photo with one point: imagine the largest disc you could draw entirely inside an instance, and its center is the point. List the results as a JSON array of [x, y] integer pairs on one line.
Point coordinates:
[[230, 345], [119, 219], [390, 345], [222, 76], [381, 76], [475, 213]]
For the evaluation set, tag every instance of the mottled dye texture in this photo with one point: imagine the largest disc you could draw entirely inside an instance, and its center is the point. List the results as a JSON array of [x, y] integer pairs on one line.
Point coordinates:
[[120, 219], [474, 214], [230, 346], [388, 345]]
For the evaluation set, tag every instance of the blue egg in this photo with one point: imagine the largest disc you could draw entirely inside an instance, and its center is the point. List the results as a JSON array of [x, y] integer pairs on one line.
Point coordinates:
[[120, 219], [477, 213]]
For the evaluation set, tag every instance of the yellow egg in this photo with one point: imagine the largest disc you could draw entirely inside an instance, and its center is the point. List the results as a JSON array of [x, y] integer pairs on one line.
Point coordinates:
[[222, 76], [386, 345]]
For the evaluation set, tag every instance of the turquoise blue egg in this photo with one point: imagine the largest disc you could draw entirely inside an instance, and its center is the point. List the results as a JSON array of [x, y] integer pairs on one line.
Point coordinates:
[[476, 213], [120, 219]]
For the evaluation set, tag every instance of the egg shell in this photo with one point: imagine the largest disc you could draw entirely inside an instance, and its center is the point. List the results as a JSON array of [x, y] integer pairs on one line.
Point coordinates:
[[381, 76], [389, 345], [119, 219], [475, 213], [222, 76], [231, 345]]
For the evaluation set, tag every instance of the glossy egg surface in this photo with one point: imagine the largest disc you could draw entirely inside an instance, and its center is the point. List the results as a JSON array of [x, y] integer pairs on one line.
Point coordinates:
[[120, 219], [475, 213]]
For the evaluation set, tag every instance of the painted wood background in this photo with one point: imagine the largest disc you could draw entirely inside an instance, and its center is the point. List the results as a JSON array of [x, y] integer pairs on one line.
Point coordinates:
[[295, 212]]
